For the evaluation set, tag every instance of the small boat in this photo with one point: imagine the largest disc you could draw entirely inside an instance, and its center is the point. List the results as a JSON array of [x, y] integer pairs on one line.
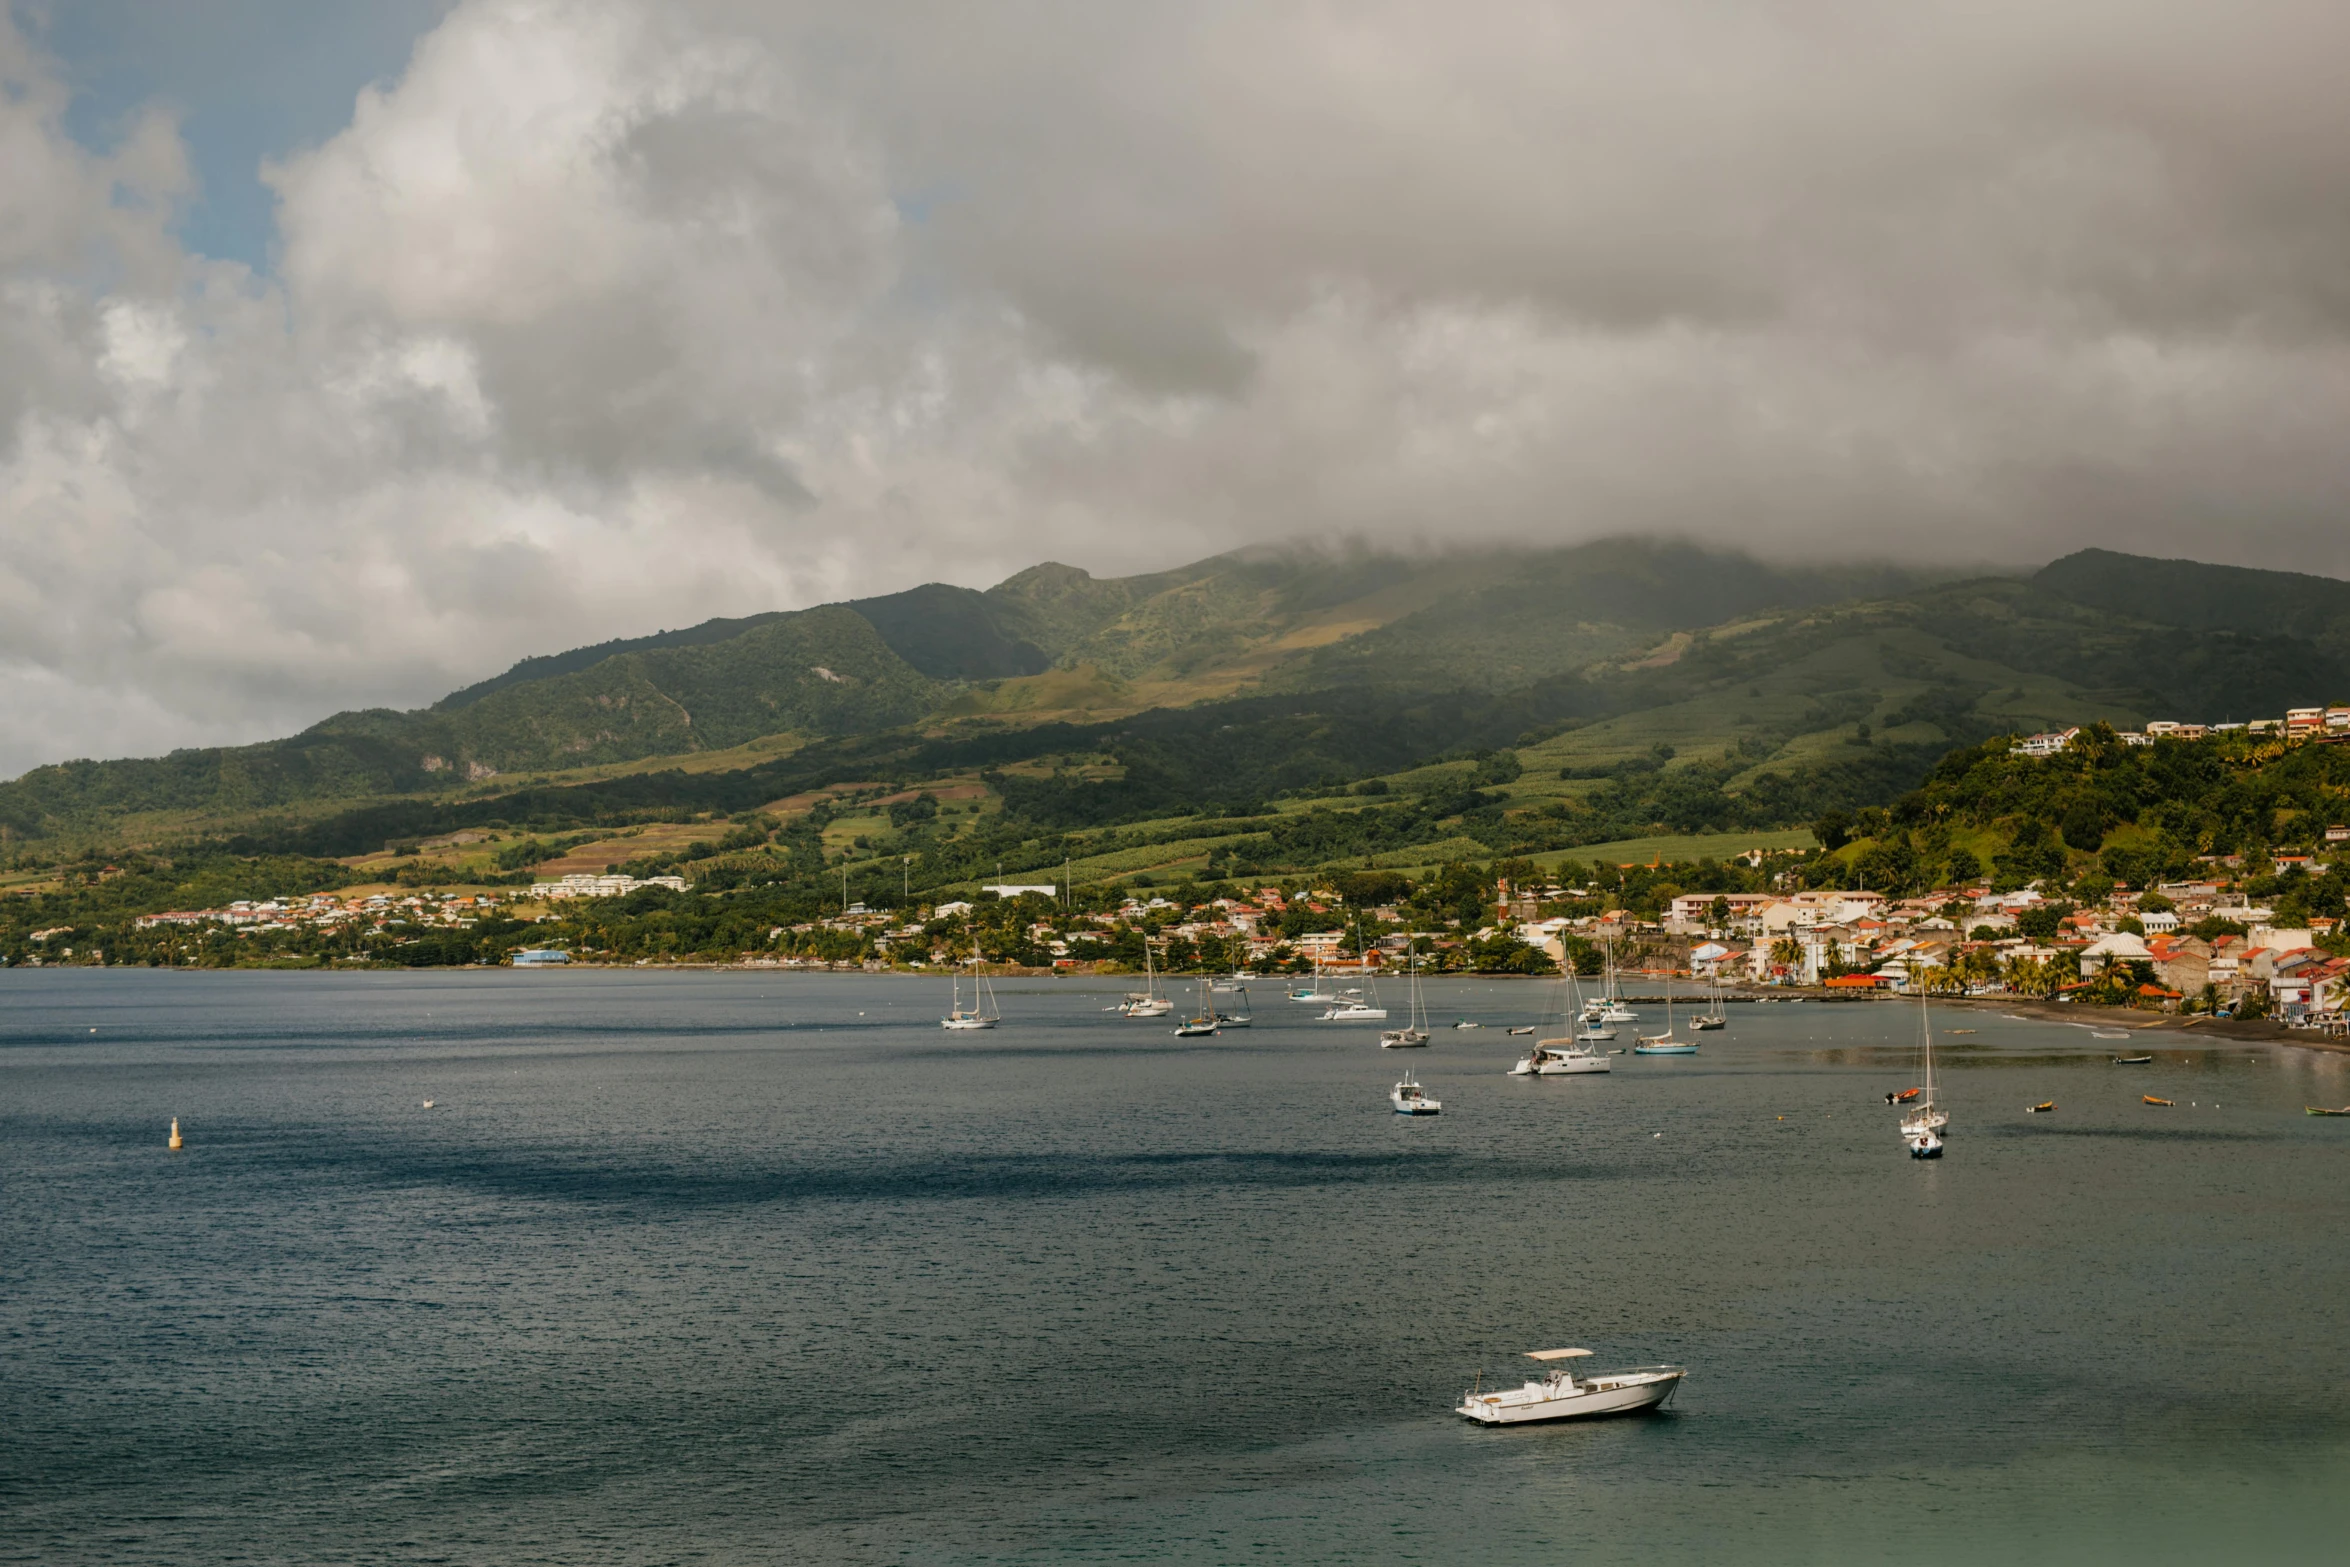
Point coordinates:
[[1528, 1029], [1665, 1044], [2042, 1108], [2133, 1060], [1958, 1031], [1465, 1023], [1711, 1019], [1902, 1098], [2150, 1099], [1564, 1396], [1147, 1002], [2322, 1110], [981, 1013], [428, 1104], [1414, 1033], [1240, 1019], [1922, 1123], [2102, 1034], [1409, 1098]]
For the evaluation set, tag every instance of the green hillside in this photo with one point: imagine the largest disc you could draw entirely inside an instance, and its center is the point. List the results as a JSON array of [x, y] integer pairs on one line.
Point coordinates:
[[1315, 709]]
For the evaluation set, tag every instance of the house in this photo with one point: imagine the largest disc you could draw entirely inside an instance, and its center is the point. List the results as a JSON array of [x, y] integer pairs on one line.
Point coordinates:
[[2181, 962], [2301, 721], [2294, 862], [2120, 946], [2159, 922], [2047, 744], [1694, 910]]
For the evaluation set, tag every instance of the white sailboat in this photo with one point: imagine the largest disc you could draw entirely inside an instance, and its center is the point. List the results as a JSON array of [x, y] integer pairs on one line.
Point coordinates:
[[1147, 1002], [1358, 1006], [1565, 1056], [982, 1012], [1922, 1122], [1414, 1033], [1312, 991], [1712, 1018], [1237, 1019], [1610, 1008]]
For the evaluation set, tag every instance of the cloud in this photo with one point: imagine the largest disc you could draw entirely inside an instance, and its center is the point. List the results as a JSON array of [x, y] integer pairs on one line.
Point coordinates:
[[609, 316]]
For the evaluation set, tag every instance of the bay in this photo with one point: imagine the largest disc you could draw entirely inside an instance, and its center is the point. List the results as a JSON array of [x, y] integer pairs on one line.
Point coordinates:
[[719, 1267]]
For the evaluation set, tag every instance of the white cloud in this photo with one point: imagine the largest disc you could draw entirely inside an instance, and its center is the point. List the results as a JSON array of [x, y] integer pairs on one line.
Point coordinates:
[[610, 316]]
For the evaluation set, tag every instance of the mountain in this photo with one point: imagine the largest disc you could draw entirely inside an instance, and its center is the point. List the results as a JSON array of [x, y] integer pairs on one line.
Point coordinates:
[[1634, 685]]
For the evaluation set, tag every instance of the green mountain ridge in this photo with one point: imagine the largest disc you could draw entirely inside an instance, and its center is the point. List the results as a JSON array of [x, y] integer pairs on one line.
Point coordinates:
[[1642, 686]]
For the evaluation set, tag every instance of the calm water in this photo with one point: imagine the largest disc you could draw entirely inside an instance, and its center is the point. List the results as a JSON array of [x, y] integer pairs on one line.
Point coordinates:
[[765, 1268]]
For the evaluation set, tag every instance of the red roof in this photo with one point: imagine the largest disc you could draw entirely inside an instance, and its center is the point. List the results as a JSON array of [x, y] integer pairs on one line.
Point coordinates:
[[2160, 993], [1855, 982]]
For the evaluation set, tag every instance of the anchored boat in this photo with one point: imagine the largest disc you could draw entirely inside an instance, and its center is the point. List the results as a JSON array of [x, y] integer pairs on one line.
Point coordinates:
[[1562, 1395], [981, 1013], [1409, 1098]]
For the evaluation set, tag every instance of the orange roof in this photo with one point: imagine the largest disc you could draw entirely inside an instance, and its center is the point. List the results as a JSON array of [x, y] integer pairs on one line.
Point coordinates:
[[2157, 990], [1854, 982]]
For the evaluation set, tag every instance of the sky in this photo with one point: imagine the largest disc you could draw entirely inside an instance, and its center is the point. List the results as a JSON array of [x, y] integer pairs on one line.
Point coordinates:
[[350, 352]]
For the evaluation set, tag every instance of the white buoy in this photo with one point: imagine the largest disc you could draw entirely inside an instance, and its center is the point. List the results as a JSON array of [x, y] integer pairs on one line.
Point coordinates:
[[175, 1134]]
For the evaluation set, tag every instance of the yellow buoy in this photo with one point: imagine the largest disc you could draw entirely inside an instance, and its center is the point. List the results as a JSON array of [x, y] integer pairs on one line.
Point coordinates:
[[175, 1134]]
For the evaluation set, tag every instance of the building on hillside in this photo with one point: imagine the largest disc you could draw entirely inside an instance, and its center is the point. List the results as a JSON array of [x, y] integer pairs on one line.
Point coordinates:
[[2046, 744], [2303, 721]]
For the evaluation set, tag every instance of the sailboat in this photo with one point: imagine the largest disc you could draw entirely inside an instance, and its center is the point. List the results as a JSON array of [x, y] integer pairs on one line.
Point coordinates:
[[1712, 1017], [1147, 1002], [1312, 991], [1591, 1032], [1240, 1019], [1358, 1006], [1205, 1023], [982, 1012], [1414, 1033], [1565, 1057], [1665, 1044], [1610, 1008], [1922, 1122]]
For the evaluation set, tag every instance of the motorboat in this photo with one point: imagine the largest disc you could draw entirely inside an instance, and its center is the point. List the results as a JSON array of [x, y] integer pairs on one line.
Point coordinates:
[[2154, 1100], [2042, 1108], [1562, 1395], [1465, 1023], [981, 1013], [2322, 1110], [1414, 1033], [1528, 1029], [1925, 1119], [2133, 1060], [1409, 1098]]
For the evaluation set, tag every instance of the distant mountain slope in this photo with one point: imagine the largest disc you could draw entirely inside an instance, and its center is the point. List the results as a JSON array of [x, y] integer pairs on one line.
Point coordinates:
[[2204, 597], [1263, 671]]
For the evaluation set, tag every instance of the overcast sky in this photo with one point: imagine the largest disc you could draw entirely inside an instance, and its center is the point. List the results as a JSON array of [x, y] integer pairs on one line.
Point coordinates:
[[349, 353]]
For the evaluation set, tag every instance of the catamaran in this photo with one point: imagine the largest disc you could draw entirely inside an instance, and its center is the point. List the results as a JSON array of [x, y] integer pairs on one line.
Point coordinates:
[[1564, 1056], [1923, 1121], [1147, 1002], [1414, 1033], [1562, 1395], [982, 1012]]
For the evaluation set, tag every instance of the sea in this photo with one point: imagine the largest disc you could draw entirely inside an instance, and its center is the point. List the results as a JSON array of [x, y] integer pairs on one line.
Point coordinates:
[[753, 1267]]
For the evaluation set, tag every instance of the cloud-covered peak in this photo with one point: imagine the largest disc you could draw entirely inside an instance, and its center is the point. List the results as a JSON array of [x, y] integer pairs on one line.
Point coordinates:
[[603, 317]]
